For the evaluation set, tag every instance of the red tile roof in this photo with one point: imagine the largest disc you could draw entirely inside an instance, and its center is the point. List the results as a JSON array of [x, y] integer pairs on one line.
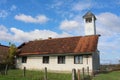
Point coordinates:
[[78, 44], [4, 50]]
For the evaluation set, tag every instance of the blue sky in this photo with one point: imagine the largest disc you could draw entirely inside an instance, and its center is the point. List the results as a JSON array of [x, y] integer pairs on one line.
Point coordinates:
[[25, 20]]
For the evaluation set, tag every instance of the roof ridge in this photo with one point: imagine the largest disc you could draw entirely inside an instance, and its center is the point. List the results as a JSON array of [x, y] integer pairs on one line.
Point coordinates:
[[64, 37], [57, 38]]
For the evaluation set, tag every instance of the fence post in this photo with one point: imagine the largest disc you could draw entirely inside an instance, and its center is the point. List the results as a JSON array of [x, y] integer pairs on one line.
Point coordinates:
[[88, 70], [45, 76], [93, 73], [78, 74], [24, 72], [6, 69], [83, 72], [73, 74]]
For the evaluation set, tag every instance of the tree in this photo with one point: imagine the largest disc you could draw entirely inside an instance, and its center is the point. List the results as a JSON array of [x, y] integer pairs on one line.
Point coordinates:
[[10, 59], [12, 53]]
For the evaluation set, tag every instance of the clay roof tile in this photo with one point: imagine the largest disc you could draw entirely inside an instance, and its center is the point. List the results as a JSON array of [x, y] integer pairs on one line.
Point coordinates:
[[78, 44]]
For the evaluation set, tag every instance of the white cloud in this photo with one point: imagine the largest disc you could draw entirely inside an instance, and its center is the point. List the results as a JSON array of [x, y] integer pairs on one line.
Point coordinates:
[[108, 23], [3, 28], [17, 35], [20, 35], [79, 6], [29, 19], [69, 25], [3, 13], [4, 35]]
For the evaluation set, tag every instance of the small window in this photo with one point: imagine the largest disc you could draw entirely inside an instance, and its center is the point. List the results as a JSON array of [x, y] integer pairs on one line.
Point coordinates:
[[87, 56], [46, 59], [61, 59], [88, 20], [24, 59], [78, 59]]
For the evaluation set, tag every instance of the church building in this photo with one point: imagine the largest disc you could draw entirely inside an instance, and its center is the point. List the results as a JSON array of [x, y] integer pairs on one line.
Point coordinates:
[[63, 54]]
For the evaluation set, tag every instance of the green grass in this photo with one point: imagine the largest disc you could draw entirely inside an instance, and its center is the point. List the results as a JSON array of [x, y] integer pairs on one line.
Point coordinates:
[[108, 76], [39, 75], [34, 75]]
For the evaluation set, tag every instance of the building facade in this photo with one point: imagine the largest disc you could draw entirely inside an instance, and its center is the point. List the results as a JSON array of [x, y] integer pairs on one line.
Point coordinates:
[[62, 54]]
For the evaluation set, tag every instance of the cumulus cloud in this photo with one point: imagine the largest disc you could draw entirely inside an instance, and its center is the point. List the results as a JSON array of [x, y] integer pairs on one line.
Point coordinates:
[[108, 26], [17, 35], [37, 34], [69, 25], [29, 19], [108, 23], [4, 35], [20, 35]]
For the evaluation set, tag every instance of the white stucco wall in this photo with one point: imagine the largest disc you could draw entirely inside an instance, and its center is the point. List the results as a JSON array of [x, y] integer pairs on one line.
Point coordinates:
[[34, 62], [90, 27]]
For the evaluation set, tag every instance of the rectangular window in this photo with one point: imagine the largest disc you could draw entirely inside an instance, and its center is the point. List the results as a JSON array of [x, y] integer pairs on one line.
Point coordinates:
[[46, 59], [87, 56], [61, 59], [88, 20], [78, 59], [24, 59]]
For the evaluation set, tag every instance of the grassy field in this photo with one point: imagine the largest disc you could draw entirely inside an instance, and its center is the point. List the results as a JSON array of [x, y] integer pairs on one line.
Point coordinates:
[[108, 76], [39, 75], [34, 75]]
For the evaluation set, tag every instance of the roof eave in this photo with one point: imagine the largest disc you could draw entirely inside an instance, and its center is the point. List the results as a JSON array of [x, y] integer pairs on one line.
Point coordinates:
[[55, 54]]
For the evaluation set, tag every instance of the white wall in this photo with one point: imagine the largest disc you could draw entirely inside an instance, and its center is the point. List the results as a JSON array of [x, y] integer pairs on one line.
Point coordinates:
[[34, 62], [90, 27]]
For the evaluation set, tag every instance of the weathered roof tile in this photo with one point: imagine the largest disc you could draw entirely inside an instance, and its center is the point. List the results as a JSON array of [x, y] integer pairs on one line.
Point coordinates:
[[4, 50], [78, 44]]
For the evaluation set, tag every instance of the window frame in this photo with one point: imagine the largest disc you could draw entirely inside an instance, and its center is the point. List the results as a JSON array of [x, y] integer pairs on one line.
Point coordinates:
[[24, 59], [87, 57], [61, 59], [45, 59], [78, 59], [88, 20]]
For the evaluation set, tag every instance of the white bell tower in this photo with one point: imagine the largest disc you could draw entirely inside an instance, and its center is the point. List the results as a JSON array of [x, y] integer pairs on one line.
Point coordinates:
[[89, 20]]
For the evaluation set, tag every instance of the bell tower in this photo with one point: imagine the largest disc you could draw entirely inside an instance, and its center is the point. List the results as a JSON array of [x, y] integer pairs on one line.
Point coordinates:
[[89, 21]]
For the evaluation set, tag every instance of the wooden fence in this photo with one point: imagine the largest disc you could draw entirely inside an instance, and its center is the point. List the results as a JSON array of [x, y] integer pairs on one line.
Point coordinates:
[[76, 74], [3, 69], [79, 74], [82, 74]]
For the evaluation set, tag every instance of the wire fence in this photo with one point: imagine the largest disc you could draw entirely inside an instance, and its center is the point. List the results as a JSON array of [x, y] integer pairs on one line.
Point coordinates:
[[79, 74], [40, 75], [34, 75]]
